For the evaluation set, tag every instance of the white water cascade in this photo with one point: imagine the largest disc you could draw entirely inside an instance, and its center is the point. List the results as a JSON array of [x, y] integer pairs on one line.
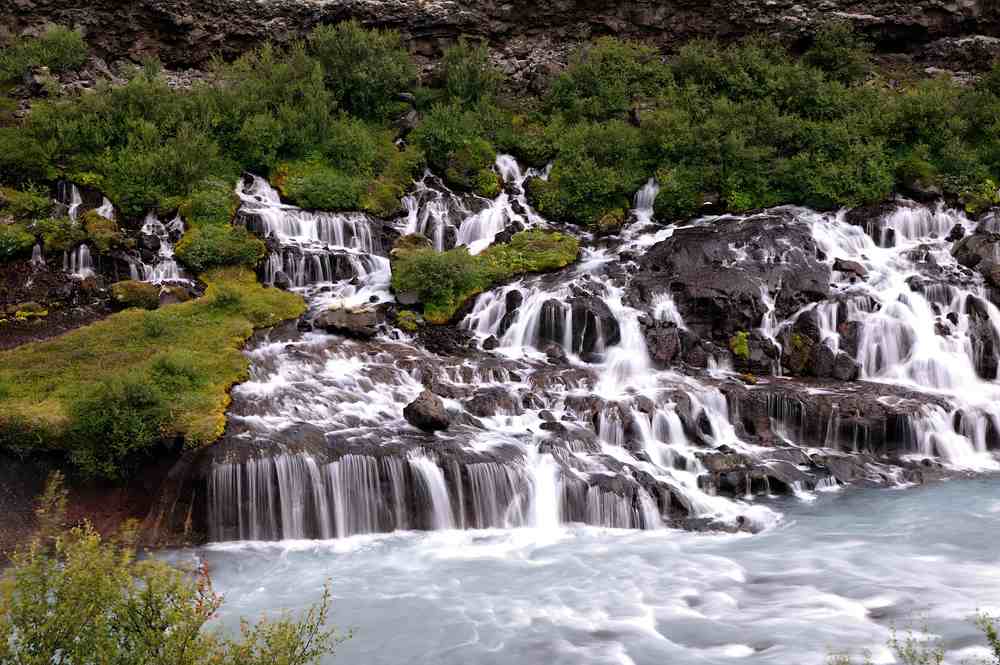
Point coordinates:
[[78, 262], [163, 269], [563, 416]]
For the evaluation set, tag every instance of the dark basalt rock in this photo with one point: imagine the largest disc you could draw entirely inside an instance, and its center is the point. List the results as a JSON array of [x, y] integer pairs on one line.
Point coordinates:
[[427, 413], [718, 275]]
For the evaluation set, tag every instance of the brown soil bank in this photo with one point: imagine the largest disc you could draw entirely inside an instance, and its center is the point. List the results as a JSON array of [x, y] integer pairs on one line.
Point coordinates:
[[187, 33]]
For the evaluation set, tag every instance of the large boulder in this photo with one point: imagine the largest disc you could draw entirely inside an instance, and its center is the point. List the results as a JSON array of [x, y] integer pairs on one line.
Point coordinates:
[[427, 413], [353, 321], [726, 276]]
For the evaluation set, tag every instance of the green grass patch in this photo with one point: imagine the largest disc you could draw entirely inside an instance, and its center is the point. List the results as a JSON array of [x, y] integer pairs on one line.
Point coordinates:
[[106, 392], [444, 281]]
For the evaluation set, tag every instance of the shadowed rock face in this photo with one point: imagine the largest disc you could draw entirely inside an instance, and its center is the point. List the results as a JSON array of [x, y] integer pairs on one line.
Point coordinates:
[[528, 36], [722, 274]]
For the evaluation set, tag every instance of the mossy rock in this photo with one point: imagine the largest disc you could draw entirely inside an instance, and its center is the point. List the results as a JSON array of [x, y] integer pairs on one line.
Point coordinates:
[[409, 321], [102, 232], [410, 243], [739, 344], [27, 311], [611, 223], [132, 293]]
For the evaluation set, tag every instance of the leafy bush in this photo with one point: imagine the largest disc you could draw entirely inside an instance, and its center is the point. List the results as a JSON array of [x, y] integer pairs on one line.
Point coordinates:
[[103, 233], [58, 48], [23, 159], [30, 203], [365, 69], [838, 50], [202, 249], [317, 185], [122, 418], [444, 281], [213, 201], [59, 234], [605, 79], [455, 144], [468, 76], [71, 597], [15, 241], [133, 293], [597, 170]]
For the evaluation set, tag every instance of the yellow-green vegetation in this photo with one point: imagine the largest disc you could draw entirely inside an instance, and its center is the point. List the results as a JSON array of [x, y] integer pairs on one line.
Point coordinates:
[[132, 293], [103, 233], [207, 247], [58, 48], [72, 597], [409, 321], [24, 204], [108, 392], [15, 241], [28, 311], [739, 344], [444, 281]]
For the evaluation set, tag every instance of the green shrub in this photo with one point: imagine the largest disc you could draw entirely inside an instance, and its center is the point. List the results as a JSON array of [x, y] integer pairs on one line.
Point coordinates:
[[680, 194], [133, 293], [213, 201], [319, 186], [597, 170], [739, 345], [603, 80], [122, 418], [103, 233], [455, 144], [838, 50], [208, 247], [154, 326], [409, 321], [470, 168], [365, 69], [444, 281], [15, 241], [70, 596], [59, 234], [59, 49], [30, 203], [23, 159], [468, 76]]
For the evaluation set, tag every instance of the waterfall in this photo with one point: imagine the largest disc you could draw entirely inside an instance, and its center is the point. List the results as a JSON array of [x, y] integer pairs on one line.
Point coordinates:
[[337, 254], [37, 257], [564, 417], [68, 194], [106, 209], [164, 268], [78, 262]]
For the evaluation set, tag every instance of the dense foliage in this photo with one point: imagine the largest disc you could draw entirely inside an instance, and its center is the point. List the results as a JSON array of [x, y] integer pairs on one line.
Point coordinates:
[[107, 393], [74, 598], [58, 48], [742, 126], [444, 281]]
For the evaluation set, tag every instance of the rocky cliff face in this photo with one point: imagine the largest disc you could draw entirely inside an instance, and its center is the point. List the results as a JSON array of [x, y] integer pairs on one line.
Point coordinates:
[[527, 34]]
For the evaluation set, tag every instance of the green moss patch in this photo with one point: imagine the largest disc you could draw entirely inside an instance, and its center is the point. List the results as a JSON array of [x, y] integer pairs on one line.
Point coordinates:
[[170, 370], [444, 281]]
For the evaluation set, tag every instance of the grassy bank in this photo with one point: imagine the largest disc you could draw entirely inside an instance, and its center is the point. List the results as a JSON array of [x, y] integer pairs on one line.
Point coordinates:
[[107, 392]]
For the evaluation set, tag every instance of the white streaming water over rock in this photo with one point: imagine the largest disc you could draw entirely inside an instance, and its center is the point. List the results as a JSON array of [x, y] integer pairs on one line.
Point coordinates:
[[163, 269], [78, 262], [568, 418]]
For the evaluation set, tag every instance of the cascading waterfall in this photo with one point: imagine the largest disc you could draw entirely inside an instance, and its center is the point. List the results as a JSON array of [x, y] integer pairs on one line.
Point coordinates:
[[917, 338], [164, 268], [78, 262], [568, 419], [68, 195]]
